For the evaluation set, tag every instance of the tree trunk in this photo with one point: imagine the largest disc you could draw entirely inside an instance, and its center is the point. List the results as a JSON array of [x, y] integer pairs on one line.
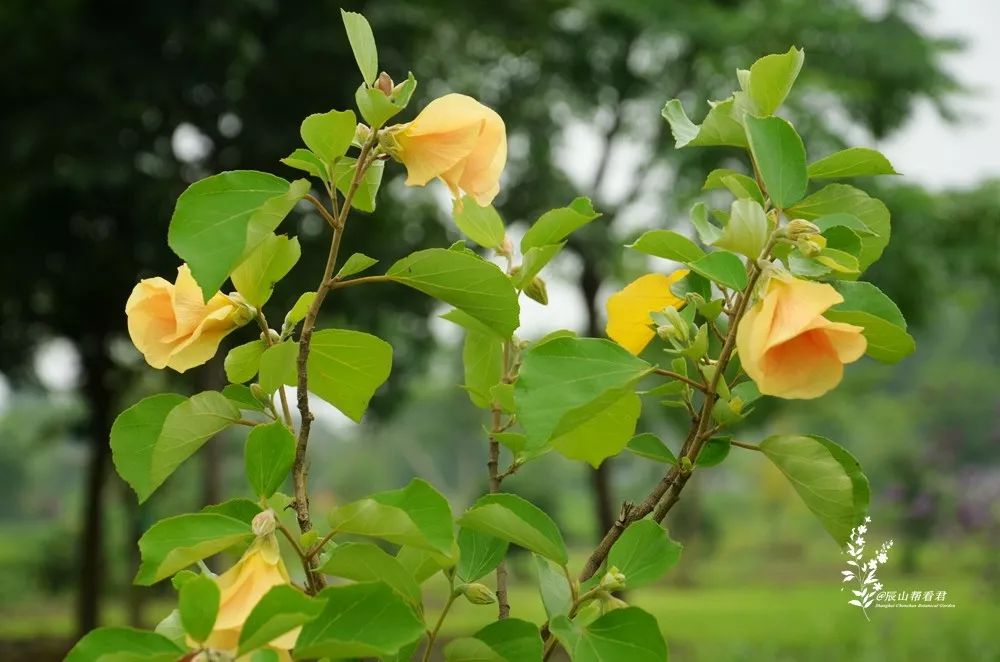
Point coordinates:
[[95, 364]]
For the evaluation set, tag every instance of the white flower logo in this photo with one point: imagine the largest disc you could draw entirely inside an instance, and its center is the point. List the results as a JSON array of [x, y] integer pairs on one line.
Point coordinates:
[[864, 571]]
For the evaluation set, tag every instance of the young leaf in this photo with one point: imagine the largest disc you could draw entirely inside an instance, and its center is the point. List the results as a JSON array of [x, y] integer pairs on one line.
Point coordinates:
[[566, 381], [198, 603], [509, 640], [465, 281], [303, 159], [242, 397], [174, 543], [280, 610], [851, 162], [364, 196], [329, 134], [186, 428], [377, 107], [643, 553], [482, 360], [114, 644], [355, 264], [720, 127], [844, 199], [269, 453], [714, 452], [707, 231], [853, 223], [131, 433], [220, 219], [243, 361], [359, 33], [277, 366], [271, 261], [301, 307], [747, 229], [722, 267], [667, 244], [365, 562], [738, 184], [478, 554], [557, 596], [781, 158], [887, 342], [415, 515], [603, 435], [359, 620], [555, 225], [649, 446], [533, 261], [511, 518], [623, 634], [482, 225], [826, 476], [772, 77], [243, 510]]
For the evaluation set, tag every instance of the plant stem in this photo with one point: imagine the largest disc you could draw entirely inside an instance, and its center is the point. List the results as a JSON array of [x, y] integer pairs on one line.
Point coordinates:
[[437, 626], [266, 333], [743, 444], [496, 479], [679, 377], [299, 468]]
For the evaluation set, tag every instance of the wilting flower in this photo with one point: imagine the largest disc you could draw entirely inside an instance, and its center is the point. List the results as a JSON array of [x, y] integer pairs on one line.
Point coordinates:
[[629, 322], [173, 326], [242, 586], [459, 140], [786, 345]]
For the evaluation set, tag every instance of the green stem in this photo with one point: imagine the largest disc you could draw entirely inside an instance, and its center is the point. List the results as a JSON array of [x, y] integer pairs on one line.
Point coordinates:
[[432, 635]]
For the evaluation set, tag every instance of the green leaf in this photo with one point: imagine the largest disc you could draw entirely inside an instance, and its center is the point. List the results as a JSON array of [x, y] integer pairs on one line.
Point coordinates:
[[303, 159], [566, 381], [355, 264], [220, 219], [509, 640], [243, 361], [772, 77], [345, 368], [533, 261], [367, 191], [887, 342], [843, 239], [781, 158], [738, 184], [844, 199], [482, 225], [186, 428], [511, 518], [329, 135], [860, 296], [478, 554], [602, 435], [280, 610], [826, 476], [469, 323], [482, 360], [557, 596], [243, 510], [133, 436], [555, 225], [503, 394], [465, 281], [720, 127], [277, 366], [359, 620], [174, 543], [242, 397], [851, 162], [853, 223], [271, 261], [623, 634], [269, 453], [415, 515], [365, 562], [115, 644], [714, 452], [649, 446], [643, 553], [708, 232], [378, 108], [722, 267], [359, 33], [198, 603], [423, 564], [667, 244], [301, 307], [747, 231]]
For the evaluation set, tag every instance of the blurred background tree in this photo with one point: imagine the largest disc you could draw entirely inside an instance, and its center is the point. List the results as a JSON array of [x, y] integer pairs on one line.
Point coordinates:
[[111, 109]]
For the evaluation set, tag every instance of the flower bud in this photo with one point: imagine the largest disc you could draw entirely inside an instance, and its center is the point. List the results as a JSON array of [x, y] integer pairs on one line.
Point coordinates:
[[678, 329], [244, 312], [273, 335], [613, 580], [798, 227], [477, 594], [361, 134], [384, 83], [610, 602], [811, 245], [260, 394], [263, 523], [506, 247], [536, 290]]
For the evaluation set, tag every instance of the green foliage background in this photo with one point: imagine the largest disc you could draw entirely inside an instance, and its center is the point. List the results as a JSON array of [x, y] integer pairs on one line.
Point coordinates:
[[88, 177]]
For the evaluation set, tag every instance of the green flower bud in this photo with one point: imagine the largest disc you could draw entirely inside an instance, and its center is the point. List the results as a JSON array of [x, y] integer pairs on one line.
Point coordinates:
[[260, 394], [613, 580], [244, 312], [264, 523], [799, 227], [477, 594], [536, 290]]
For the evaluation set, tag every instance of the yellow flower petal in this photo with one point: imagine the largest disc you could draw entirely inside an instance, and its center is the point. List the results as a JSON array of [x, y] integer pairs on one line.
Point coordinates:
[[629, 322]]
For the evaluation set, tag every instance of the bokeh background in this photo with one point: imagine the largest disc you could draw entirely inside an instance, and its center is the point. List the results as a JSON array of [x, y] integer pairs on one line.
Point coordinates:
[[110, 109]]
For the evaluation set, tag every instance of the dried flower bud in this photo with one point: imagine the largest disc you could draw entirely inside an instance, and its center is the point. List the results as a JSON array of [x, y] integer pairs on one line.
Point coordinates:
[[477, 594], [263, 523], [613, 580], [384, 83]]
